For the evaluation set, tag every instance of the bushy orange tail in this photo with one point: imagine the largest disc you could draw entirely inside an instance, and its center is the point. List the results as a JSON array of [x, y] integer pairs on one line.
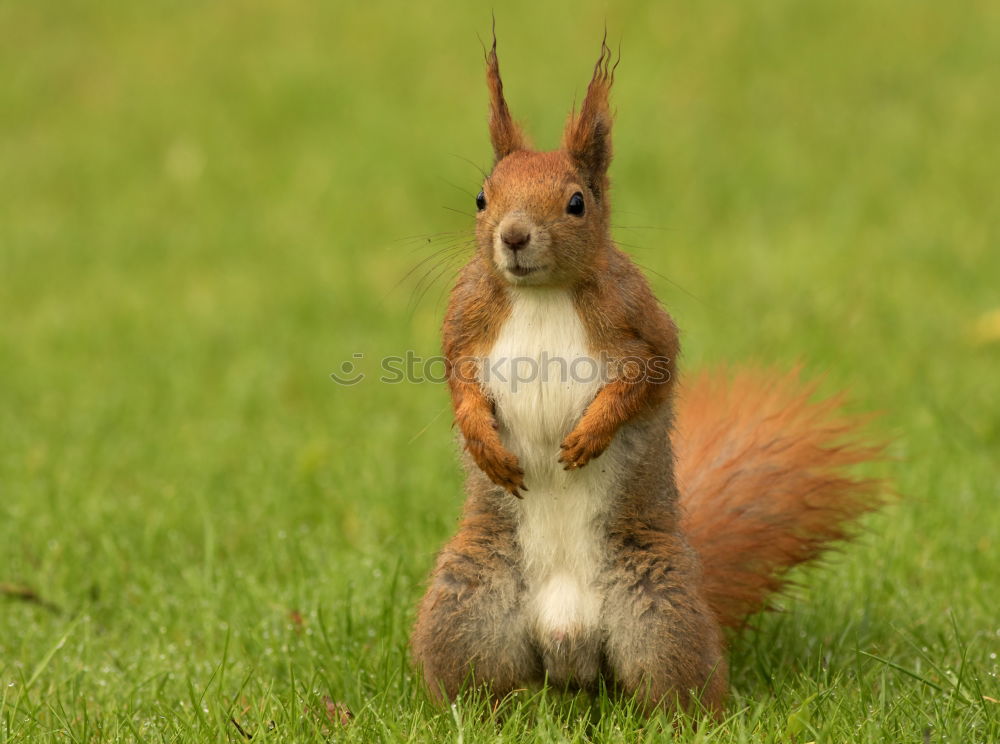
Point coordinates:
[[761, 475]]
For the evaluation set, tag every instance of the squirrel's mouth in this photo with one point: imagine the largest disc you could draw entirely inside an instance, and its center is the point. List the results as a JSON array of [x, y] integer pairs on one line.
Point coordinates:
[[520, 271]]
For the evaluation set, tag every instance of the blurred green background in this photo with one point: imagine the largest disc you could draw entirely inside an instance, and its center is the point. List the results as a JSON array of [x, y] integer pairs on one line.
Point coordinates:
[[206, 208]]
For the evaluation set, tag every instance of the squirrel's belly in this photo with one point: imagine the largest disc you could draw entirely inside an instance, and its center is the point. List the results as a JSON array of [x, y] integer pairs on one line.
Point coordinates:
[[541, 377], [560, 529]]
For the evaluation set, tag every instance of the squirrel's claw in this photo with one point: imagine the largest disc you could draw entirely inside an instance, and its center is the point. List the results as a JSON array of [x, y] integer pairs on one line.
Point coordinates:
[[499, 465], [579, 449]]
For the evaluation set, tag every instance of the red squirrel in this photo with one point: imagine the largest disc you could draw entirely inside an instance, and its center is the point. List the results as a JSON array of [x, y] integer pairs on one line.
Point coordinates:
[[615, 521]]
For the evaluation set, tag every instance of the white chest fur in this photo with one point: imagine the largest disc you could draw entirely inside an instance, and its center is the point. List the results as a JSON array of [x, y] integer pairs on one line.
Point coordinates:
[[542, 376]]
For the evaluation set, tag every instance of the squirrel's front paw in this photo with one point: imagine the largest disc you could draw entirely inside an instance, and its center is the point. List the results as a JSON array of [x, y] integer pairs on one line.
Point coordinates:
[[500, 465], [580, 447]]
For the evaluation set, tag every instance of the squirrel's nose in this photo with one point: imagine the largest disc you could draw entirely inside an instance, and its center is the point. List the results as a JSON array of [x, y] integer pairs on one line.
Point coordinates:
[[515, 236]]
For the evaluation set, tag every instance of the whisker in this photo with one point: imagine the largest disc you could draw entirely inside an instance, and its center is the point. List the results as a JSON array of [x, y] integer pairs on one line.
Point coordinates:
[[446, 252], [445, 287], [669, 280], [633, 246], [444, 240], [643, 227], [427, 237], [428, 280], [486, 176], [459, 211], [457, 187]]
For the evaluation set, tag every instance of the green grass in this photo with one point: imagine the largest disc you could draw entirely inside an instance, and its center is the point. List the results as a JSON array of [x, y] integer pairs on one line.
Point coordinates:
[[201, 214]]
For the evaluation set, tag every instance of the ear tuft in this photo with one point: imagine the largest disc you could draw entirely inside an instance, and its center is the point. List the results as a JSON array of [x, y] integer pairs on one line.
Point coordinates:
[[587, 138], [505, 135]]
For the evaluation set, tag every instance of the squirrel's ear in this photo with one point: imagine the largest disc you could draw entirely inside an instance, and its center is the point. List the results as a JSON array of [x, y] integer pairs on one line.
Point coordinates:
[[505, 134], [587, 138]]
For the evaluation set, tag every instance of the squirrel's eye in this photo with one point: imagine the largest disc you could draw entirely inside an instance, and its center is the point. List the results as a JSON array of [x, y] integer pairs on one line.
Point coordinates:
[[480, 201], [575, 206]]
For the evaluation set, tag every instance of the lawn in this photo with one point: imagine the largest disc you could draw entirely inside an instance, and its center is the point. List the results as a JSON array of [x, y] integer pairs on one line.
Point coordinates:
[[208, 208]]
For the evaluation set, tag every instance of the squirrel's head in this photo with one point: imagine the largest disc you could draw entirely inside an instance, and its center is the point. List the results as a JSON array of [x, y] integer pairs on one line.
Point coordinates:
[[543, 216]]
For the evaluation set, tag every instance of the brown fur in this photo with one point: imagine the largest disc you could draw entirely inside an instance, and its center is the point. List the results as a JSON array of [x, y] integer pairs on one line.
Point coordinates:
[[587, 138], [759, 484], [760, 471], [475, 313], [505, 134]]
